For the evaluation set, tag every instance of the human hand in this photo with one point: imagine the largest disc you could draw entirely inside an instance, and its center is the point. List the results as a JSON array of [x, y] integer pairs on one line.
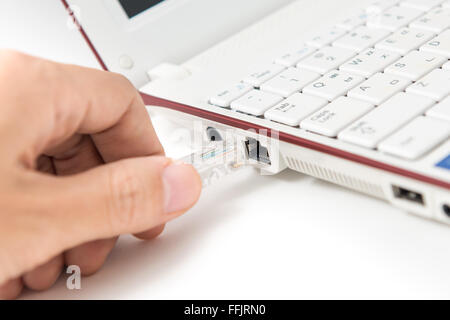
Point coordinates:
[[80, 164]]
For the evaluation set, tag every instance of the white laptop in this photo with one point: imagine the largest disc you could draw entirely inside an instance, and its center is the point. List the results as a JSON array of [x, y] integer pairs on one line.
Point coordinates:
[[357, 91]]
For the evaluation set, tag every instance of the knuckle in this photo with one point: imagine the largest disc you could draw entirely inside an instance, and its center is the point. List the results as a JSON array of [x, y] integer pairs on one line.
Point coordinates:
[[11, 61], [25, 69], [7, 55], [126, 87], [124, 81], [126, 197]]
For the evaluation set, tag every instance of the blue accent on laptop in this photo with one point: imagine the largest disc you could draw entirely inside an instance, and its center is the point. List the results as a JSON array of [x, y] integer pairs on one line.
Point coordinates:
[[445, 163]]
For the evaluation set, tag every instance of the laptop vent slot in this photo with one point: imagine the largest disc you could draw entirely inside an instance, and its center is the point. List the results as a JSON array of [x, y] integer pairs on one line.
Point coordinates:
[[335, 177]]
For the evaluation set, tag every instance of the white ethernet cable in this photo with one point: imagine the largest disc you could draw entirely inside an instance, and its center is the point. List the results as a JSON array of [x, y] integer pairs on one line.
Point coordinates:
[[216, 160], [220, 157]]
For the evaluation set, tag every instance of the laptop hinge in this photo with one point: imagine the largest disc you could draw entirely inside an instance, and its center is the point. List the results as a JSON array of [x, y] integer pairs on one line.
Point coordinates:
[[168, 71]]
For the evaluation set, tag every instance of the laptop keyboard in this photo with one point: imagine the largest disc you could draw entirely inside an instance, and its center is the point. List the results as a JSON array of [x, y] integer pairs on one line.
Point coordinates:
[[379, 80]]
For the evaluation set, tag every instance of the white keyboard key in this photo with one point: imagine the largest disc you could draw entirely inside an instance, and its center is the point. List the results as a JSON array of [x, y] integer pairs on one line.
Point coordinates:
[[379, 88], [435, 85], [289, 82], [446, 4], [439, 45], [361, 38], [326, 37], [394, 18], [405, 40], [370, 62], [257, 78], [441, 110], [384, 120], [333, 85], [292, 58], [333, 118], [446, 66], [224, 98], [294, 109], [381, 5], [417, 138], [256, 102], [353, 22], [326, 59], [416, 65], [436, 21], [424, 5]]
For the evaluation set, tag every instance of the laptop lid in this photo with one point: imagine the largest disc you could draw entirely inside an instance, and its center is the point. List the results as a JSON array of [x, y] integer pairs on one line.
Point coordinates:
[[133, 36]]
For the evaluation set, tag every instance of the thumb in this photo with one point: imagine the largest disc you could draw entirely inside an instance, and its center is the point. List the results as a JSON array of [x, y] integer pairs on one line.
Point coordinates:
[[128, 196]]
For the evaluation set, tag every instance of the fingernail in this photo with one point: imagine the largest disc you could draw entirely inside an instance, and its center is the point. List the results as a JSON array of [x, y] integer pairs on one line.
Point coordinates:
[[182, 187]]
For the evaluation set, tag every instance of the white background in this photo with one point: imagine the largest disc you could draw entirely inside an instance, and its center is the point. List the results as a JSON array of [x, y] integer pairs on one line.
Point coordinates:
[[252, 237]]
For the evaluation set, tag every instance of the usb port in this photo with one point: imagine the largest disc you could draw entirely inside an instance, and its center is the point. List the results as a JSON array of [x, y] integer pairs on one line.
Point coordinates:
[[408, 195], [257, 152]]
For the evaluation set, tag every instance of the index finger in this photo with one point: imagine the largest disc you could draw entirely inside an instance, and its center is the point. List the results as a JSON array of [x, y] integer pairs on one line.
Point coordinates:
[[50, 102]]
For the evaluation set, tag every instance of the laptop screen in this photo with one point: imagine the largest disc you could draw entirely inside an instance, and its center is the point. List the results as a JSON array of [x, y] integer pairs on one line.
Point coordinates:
[[135, 7]]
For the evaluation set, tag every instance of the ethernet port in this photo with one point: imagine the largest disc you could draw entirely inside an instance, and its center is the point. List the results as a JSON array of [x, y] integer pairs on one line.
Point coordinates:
[[257, 152]]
